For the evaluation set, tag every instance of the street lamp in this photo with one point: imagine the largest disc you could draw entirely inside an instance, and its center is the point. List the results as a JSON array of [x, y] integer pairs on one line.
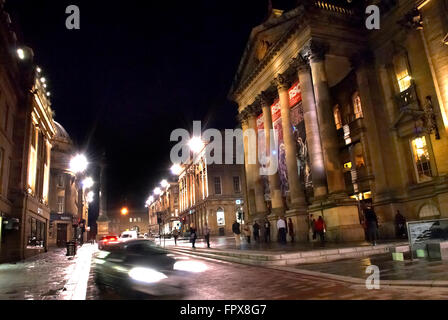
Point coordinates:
[[124, 211], [90, 196], [157, 191], [164, 183], [87, 183], [176, 169], [195, 144], [21, 54], [78, 164]]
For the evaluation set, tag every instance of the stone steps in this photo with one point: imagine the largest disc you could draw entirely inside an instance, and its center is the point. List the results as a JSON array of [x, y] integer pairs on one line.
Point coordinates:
[[283, 259]]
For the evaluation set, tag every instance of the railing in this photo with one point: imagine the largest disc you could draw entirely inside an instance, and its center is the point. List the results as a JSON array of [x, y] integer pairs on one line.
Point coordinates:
[[407, 98]]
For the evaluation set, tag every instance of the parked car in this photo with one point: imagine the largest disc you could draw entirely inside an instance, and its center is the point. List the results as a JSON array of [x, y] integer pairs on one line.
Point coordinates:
[[138, 267], [106, 241]]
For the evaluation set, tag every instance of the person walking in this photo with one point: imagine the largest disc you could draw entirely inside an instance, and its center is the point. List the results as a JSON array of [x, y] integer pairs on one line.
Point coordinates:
[[256, 228], [281, 227], [291, 230], [319, 227], [193, 236], [207, 234], [372, 224], [246, 230], [175, 235], [237, 233], [267, 230], [400, 225]]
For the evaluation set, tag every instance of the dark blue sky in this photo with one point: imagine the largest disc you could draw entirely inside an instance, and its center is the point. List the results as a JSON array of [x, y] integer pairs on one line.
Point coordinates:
[[134, 72]]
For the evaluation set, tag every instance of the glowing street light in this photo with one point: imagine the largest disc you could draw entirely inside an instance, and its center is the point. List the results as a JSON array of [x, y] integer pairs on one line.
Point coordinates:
[[157, 191], [124, 211], [87, 183], [21, 54], [90, 196], [78, 163], [164, 183], [196, 144], [39, 70], [176, 169]]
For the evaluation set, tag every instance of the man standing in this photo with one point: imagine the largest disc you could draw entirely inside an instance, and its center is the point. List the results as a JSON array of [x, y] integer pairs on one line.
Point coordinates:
[[267, 230], [256, 228], [372, 224], [175, 235], [237, 233], [207, 234], [281, 227]]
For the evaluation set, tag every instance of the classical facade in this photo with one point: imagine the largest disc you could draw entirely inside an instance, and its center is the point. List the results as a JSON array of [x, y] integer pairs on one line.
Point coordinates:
[[26, 144], [360, 115], [211, 193], [134, 220], [165, 207]]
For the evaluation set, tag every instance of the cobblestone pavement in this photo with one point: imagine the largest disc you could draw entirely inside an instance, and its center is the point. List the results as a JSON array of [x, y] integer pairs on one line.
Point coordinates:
[[230, 281], [41, 277]]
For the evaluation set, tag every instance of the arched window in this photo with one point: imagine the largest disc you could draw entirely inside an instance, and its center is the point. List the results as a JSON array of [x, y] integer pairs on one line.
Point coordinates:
[[357, 107], [337, 116]]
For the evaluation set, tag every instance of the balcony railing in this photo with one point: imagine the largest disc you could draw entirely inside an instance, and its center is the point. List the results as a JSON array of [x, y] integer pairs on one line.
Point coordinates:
[[407, 99]]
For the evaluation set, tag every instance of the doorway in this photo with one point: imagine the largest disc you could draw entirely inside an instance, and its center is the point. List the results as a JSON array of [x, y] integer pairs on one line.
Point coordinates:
[[61, 235]]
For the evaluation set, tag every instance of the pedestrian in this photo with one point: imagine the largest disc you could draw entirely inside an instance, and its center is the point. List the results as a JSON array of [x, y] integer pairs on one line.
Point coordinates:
[[281, 227], [372, 224], [267, 230], [313, 227], [291, 229], [256, 228], [237, 233], [175, 235], [319, 227], [193, 236], [400, 225], [207, 234], [246, 230]]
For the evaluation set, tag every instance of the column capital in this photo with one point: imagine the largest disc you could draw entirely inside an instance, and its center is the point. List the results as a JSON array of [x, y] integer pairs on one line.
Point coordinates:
[[243, 116], [264, 99], [254, 110], [300, 64], [314, 51], [281, 82]]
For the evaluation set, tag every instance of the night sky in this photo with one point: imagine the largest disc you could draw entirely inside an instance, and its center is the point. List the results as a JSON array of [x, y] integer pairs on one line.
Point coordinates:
[[136, 71]]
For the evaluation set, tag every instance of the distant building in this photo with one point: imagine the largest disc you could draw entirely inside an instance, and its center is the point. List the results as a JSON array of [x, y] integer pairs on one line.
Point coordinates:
[[165, 207], [64, 202], [134, 220]]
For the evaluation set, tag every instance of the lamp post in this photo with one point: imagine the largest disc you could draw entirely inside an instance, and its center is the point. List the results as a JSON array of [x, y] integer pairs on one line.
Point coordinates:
[[78, 165]]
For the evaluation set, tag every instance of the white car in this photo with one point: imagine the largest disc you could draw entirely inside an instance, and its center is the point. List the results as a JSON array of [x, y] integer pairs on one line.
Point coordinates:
[[128, 235]]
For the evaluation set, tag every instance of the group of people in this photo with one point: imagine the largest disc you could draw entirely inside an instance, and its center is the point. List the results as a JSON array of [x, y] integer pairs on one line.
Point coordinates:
[[317, 229]]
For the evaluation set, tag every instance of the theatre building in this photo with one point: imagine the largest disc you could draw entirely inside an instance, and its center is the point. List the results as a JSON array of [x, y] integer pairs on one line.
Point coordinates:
[[360, 115]]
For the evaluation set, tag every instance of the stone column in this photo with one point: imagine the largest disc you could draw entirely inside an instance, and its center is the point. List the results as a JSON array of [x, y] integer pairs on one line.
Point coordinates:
[[328, 132], [250, 193], [260, 204], [274, 179], [295, 186], [312, 130]]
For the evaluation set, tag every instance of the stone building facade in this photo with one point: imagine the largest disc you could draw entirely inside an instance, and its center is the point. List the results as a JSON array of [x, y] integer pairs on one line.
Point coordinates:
[[64, 191], [26, 137], [361, 115], [166, 207], [134, 220], [208, 193]]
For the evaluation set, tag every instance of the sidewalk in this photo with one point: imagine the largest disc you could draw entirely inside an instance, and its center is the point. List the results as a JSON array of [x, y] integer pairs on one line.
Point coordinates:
[[48, 276]]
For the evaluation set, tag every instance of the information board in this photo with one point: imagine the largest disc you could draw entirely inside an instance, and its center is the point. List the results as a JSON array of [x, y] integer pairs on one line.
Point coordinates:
[[426, 231]]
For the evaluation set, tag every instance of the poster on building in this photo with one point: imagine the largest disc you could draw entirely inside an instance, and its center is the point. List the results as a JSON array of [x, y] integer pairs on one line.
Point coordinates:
[[261, 152], [298, 126]]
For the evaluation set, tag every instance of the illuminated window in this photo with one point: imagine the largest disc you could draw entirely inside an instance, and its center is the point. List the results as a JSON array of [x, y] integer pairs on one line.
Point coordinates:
[[61, 204], [32, 161], [357, 107], [402, 72], [220, 217], [421, 159], [337, 117]]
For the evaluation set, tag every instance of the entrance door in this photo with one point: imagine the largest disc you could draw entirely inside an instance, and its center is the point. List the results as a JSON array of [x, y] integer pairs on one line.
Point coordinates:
[[61, 235]]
